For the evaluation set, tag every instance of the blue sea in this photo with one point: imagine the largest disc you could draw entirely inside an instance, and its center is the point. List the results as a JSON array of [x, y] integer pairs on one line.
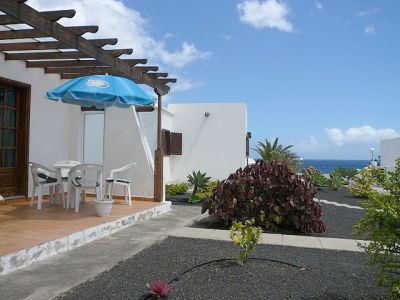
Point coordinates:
[[326, 166]]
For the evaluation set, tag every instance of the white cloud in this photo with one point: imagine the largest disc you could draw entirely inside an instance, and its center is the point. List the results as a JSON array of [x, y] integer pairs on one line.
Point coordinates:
[[115, 19], [185, 84], [182, 57], [265, 14], [367, 12], [369, 29], [319, 5], [358, 135]]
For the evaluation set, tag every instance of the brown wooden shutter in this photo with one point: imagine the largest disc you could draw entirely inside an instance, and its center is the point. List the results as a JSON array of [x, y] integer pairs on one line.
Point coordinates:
[[176, 143]]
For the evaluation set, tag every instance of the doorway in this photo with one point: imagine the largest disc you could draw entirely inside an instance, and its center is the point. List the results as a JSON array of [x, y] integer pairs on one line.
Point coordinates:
[[14, 141], [93, 137]]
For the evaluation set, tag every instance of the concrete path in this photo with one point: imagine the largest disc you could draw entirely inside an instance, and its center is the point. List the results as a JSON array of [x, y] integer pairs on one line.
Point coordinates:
[[58, 274], [276, 239]]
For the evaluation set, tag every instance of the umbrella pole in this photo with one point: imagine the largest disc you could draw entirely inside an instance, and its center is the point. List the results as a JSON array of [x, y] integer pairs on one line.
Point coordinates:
[[158, 156]]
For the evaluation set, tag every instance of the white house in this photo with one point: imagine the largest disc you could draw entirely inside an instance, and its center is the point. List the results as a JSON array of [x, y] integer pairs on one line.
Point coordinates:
[[34, 129], [211, 137], [390, 151]]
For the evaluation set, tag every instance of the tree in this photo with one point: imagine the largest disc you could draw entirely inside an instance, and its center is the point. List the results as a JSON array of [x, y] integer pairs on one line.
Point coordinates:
[[198, 180], [277, 152]]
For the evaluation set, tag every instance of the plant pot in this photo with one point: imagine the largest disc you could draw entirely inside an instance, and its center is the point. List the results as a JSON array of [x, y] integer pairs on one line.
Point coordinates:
[[103, 207]]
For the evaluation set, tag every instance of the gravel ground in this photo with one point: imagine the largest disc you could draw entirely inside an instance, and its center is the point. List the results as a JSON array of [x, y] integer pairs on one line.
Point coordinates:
[[339, 221], [328, 274], [340, 196]]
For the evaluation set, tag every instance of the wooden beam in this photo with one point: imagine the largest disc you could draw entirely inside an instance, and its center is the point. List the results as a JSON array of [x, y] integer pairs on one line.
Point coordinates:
[[166, 80], [49, 45], [78, 63], [157, 75], [30, 16], [71, 76], [60, 55], [80, 70], [94, 70], [35, 33], [52, 15], [76, 75], [148, 68], [144, 108]]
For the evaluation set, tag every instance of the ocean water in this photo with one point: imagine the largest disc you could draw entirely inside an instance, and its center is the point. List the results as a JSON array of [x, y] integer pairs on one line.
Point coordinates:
[[326, 166]]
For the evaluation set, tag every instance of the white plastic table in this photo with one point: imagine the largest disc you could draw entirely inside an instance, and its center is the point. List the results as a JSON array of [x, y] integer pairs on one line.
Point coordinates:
[[63, 168]]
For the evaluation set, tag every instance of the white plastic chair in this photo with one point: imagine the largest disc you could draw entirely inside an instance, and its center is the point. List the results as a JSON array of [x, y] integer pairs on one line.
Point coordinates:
[[121, 176], [81, 178], [63, 167], [43, 177]]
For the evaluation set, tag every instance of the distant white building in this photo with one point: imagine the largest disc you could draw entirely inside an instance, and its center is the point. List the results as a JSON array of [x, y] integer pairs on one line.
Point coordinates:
[[390, 151]]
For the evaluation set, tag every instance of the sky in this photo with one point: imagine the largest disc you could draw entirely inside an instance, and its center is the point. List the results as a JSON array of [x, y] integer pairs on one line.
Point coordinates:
[[320, 75]]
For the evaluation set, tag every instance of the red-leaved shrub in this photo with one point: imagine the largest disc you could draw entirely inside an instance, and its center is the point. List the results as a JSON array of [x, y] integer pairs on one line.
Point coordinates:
[[270, 193]]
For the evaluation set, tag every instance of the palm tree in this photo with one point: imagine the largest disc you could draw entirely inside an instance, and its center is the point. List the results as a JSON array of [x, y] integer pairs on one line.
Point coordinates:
[[275, 151], [198, 180]]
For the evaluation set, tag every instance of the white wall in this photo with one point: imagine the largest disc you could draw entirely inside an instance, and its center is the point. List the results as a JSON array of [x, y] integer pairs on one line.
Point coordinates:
[[215, 144], [54, 127], [390, 151], [123, 145]]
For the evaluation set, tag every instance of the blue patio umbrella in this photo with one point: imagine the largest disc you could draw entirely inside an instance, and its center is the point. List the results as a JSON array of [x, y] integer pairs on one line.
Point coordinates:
[[101, 91]]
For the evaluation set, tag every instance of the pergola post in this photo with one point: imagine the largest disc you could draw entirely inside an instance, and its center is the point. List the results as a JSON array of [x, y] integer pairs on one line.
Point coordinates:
[[159, 155]]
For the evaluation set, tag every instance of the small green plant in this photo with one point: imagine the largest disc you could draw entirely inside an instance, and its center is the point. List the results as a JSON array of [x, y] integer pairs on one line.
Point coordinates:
[[362, 184], [208, 190], [336, 181], [198, 180], [246, 236], [347, 173], [316, 177], [176, 189], [379, 175], [381, 225], [194, 199]]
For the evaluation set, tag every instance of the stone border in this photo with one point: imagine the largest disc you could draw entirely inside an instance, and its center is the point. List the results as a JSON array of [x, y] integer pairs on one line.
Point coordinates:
[[302, 241], [26, 257]]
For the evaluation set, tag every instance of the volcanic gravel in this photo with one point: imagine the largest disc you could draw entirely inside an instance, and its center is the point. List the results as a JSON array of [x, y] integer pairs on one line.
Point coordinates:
[[340, 196], [327, 274]]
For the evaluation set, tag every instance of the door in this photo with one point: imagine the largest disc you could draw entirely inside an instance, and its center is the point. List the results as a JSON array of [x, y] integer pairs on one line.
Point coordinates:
[[93, 137], [14, 117]]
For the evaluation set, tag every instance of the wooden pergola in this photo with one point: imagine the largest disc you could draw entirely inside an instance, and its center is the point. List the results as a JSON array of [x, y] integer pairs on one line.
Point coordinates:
[[70, 55]]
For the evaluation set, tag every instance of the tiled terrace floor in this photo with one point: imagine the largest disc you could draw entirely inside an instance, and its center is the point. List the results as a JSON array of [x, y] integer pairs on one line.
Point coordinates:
[[22, 226]]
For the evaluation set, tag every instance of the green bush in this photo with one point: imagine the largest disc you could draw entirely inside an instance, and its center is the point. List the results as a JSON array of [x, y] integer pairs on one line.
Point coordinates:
[[207, 192], [381, 225], [336, 181], [270, 193], [362, 184], [175, 189], [315, 176], [194, 199], [347, 173]]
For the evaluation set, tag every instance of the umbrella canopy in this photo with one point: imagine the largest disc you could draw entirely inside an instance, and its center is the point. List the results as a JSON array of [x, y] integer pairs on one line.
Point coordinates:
[[101, 91]]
